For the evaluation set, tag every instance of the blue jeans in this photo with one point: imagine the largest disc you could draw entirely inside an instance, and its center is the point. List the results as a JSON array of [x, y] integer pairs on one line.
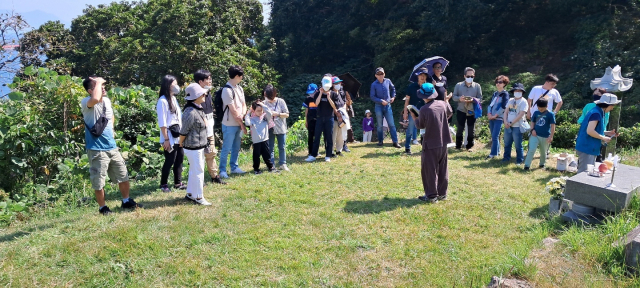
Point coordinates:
[[282, 140], [411, 133], [385, 111], [513, 135], [324, 125], [495, 126], [231, 139]]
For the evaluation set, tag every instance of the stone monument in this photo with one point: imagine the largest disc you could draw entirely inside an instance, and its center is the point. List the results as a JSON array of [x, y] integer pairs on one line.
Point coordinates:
[[594, 197]]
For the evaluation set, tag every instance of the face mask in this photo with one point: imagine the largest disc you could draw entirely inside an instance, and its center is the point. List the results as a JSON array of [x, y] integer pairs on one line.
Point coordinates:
[[469, 80], [517, 94], [337, 86], [175, 89], [208, 87]]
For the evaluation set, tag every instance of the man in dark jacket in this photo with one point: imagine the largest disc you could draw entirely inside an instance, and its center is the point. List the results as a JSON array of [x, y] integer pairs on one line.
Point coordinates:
[[433, 118]]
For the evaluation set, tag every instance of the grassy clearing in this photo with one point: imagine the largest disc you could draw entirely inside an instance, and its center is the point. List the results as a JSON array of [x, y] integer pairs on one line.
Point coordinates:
[[352, 222]]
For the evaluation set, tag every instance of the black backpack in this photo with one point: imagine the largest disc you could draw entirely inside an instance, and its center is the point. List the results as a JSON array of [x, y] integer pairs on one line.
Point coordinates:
[[218, 107]]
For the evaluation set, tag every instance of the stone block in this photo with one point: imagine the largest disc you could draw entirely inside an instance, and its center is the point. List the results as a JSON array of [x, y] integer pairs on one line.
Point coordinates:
[[632, 250], [593, 191]]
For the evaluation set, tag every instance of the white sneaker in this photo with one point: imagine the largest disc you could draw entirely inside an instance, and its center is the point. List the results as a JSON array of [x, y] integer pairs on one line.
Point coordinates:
[[415, 142], [284, 167], [327, 159], [310, 159], [237, 171], [202, 202], [223, 174]]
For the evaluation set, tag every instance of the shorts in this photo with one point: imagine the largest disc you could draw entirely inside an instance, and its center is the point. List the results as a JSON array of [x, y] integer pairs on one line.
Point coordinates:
[[106, 163]]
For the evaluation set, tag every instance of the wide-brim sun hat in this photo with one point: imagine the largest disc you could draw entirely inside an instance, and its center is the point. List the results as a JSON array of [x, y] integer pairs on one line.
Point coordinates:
[[194, 91], [608, 98], [518, 86]]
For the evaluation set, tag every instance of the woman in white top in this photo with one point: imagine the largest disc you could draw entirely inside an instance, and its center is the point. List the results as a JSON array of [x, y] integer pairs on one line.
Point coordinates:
[[170, 122], [280, 113]]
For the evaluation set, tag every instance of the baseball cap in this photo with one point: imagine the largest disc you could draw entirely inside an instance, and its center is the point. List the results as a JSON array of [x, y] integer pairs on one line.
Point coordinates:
[[194, 90], [336, 80], [312, 88], [368, 111], [379, 70], [326, 83]]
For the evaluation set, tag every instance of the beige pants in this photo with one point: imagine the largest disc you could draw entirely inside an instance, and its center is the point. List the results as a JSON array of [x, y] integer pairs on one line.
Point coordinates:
[[105, 164], [212, 167]]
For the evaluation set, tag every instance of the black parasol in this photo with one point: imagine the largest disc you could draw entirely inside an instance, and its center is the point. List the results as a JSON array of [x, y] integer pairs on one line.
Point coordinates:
[[350, 84]]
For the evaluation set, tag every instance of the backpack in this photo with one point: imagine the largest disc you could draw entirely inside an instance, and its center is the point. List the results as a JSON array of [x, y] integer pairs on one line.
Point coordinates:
[[218, 106]]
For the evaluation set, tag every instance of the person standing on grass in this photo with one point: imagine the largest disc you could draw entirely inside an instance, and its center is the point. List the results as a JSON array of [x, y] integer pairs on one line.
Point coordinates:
[[367, 127], [597, 94], [310, 115], [383, 93], [434, 163], [464, 93], [258, 120], [411, 98], [513, 117], [169, 121], [496, 112], [592, 131], [203, 78], [102, 151], [280, 112], [325, 98], [233, 127], [340, 133], [548, 92], [194, 140], [544, 126]]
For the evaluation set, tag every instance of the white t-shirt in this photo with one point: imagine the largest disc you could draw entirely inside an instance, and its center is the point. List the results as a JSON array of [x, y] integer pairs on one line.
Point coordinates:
[[228, 99], [536, 93], [515, 107], [166, 118]]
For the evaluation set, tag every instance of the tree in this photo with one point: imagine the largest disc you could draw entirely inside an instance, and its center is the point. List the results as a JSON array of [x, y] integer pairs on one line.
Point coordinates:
[[48, 47], [12, 27]]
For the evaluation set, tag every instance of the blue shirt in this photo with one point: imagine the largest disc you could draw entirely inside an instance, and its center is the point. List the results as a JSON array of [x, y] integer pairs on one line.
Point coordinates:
[[382, 91], [585, 143], [106, 141], [542, 123]]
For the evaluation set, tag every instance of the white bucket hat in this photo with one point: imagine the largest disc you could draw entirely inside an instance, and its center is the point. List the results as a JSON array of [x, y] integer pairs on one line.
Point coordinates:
[[608, 98]]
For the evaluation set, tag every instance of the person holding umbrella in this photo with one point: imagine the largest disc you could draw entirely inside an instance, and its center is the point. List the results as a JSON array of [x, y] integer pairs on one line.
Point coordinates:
[[412, 99], [434, 169], [383, 93]]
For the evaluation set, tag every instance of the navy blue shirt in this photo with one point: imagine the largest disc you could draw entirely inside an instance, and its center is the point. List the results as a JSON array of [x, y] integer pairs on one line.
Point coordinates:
[[543, 123], [382, 91]]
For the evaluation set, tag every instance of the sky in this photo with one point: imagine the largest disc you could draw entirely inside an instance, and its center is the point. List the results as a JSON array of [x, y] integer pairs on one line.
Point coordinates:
[[37, 12]]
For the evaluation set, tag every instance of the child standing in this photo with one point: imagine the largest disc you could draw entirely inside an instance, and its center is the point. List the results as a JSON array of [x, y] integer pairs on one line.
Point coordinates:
[[259, 124], [544, 126], [367, 127], [310, 114]]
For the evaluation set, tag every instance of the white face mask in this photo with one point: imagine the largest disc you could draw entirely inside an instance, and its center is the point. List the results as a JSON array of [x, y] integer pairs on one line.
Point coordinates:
[[517, 94], [469, 80], [208, 87], [337, 86], [175, 89]]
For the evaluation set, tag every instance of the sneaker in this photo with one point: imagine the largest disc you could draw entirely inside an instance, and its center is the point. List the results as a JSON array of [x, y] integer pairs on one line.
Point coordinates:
[[427, 199], [469, 149], [274, 170], [237, 171], [345, 148], [526, 168], [518, 164], [542, 167], [105, 211], [223, 175], [489, 157], [284, 167], [131, 204], [180, 186], [442, 198], [379, 144], [257, 172], [407, 151], [310, 159], [337, 154], [189, 198], [327, 159], [333, 155], [202, 202], [218, 180], [396, 145], [165, 188], [415, 142]]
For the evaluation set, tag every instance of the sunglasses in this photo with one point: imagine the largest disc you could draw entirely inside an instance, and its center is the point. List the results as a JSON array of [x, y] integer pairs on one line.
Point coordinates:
[[470, 76], [499, 82]]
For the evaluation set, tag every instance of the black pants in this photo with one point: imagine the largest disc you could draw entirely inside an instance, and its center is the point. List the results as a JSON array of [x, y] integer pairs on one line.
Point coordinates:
[[471, 123], [324, 126], [312, 133], [261, 149], [173, 159]]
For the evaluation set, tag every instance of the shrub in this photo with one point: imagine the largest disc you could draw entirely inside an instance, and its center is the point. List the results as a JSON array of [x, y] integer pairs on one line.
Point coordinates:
[[565, 136]]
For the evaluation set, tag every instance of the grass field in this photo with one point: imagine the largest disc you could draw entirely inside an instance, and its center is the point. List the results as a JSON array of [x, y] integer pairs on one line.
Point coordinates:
[[353, 222]]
